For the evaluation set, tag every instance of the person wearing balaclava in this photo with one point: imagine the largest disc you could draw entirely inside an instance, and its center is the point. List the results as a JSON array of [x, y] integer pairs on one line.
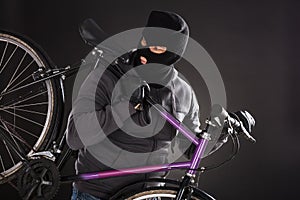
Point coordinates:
[[162, 44], [164, 40]]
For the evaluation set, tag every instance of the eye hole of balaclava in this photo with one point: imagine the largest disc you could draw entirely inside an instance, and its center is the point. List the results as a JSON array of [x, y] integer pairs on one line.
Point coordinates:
[[166, 58]]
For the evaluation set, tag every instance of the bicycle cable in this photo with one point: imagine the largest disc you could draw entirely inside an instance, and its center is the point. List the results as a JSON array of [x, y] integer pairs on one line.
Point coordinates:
[[235, 150]]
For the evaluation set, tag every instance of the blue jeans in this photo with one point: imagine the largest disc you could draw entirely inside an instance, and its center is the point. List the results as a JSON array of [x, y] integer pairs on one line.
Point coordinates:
[[77, 195]]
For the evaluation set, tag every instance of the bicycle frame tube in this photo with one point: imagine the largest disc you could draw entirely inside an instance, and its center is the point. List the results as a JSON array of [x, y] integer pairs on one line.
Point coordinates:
[[128, 171], [196, 159], [173, 121], [200, 143], [192, 165]]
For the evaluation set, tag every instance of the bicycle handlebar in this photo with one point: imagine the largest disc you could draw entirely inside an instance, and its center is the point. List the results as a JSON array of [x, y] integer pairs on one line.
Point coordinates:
[[235, 122], [240, 128]]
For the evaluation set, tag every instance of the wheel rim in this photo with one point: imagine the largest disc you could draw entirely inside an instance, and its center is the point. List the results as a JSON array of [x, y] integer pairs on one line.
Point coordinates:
[[147, 195], [159, 194], [18, 110]]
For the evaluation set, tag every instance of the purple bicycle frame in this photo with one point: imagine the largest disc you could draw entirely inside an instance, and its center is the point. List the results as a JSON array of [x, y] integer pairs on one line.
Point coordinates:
[[193, 164]]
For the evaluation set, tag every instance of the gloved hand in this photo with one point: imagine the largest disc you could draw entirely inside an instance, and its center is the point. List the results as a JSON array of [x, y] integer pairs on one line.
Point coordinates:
[[133, 90], [138, 97], [130, 86], [248, 122]]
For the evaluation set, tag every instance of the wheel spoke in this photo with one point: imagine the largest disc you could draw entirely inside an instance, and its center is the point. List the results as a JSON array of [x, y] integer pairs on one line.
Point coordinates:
[[22, 98], [9, 59], [9, 152], [2, 163], [21, 129], [20, 75], [18, 154], [25, 110], [23, 118], [12, 77], [4, 52], [28, 98], [20, 139], [26, 105], [12, 135], [29, 76]]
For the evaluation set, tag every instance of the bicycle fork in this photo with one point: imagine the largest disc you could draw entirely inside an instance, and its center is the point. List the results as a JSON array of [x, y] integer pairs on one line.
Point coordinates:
[[184, 191]]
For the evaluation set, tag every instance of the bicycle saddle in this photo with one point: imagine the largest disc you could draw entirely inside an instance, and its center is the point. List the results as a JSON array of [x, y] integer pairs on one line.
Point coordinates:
[[91, 33]]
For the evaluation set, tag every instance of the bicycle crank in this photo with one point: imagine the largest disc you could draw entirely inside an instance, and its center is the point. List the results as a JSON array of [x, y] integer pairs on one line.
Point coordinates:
[[40, 179]]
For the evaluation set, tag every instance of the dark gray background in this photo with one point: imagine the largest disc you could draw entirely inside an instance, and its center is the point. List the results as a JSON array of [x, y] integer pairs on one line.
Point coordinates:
[[255, 44]]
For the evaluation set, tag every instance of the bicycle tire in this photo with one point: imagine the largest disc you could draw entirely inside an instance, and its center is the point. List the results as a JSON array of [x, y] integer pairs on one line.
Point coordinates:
[[30, 116], [163, 193]]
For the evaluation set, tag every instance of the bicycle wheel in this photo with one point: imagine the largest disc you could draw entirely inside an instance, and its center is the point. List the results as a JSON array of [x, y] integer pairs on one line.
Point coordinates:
[[29, 115], [159, 194]]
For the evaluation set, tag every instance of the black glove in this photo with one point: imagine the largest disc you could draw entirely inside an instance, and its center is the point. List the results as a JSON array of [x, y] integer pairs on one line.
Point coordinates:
[[138, 100], [248, 122], [138, 97], [130, 87], [134, 90]]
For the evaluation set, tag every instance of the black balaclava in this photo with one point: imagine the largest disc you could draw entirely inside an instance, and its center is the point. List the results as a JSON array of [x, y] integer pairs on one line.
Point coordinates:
[[173, 34]]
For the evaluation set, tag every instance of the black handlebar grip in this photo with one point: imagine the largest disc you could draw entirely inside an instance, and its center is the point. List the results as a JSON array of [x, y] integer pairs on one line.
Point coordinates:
[[219, 111], [240, 127]]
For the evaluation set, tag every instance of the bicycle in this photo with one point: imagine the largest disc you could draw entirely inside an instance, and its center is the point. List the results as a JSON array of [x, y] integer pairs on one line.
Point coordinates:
[[36, 156]]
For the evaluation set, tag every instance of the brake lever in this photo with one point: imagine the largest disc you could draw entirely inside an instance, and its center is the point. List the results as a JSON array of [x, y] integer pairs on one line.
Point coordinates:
[[247, 134], [238, 124], [233, 122]]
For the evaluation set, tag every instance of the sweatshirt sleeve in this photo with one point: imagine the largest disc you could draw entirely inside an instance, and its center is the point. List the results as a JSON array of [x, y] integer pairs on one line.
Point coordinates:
[[192, 121], [92, 117]]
